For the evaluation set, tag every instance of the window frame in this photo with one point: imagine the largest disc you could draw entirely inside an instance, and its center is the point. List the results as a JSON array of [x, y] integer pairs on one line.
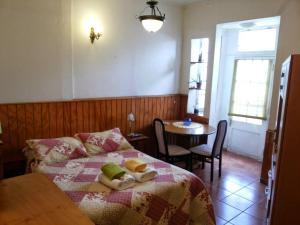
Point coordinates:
[[270, 69], [260, 50]]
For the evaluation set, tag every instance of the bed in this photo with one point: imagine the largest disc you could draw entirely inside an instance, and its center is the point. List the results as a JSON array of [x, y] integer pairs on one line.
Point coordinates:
[[175, 196]]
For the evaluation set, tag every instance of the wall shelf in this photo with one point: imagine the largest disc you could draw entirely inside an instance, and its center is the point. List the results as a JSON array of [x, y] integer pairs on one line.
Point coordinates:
[[197, 74], [198, 62], [193, 88]]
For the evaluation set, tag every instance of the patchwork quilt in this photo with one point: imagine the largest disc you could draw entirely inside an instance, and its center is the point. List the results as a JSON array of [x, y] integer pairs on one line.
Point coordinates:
[[174, 197]]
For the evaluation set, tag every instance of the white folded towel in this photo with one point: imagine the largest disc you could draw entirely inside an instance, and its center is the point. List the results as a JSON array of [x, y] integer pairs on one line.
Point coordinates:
[[147, 175], [126, 181]]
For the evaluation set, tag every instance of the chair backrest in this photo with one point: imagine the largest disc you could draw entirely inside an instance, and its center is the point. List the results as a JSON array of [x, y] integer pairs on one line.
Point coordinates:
[[160, 135], [220, 137]]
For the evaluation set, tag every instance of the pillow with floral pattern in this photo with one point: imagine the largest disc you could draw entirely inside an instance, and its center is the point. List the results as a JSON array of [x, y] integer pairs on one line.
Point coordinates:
[[55, 149], [106, 141]]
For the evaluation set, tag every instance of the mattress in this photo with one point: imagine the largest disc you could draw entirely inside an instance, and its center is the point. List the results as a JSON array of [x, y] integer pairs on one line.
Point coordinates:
[[175, 196]]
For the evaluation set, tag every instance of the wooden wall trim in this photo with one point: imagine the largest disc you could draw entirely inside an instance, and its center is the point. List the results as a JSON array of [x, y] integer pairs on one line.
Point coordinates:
[[91, 99], [57, 119], [267, 158]]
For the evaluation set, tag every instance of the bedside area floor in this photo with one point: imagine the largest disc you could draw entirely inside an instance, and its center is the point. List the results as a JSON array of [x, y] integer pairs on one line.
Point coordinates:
[[238, 195]]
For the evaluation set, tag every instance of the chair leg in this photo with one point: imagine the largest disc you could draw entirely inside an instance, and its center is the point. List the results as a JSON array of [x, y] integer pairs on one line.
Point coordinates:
[[212, 170], [186, 159], [203, 162], [167, 159], [220, 165], [172, 160], [190, 162]]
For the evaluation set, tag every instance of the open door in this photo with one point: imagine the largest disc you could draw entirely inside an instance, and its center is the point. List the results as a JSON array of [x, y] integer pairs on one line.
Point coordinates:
[[244, 82]]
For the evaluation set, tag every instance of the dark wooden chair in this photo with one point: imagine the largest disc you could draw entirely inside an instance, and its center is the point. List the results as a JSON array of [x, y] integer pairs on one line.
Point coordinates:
[[171, 153], [205, 154]]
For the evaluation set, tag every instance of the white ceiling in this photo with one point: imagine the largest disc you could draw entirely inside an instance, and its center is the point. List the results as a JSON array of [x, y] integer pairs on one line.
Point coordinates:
[[181, 2]]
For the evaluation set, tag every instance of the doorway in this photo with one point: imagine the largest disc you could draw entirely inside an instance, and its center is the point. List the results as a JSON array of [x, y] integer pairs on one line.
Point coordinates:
[[243, 74]]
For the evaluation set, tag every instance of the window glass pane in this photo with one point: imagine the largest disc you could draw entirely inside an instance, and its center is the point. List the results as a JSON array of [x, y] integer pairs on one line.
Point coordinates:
[[257, 40], [250, 88]]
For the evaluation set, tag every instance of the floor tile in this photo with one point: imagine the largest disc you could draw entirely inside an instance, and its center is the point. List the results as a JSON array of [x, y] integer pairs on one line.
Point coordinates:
[[240, 185], [237, 202], [220, 221], [242, 180], [245, 219], [251, 194], [230, 186], [219, 193], [225, 211], [257, 211], [257, 186], [263, 203]]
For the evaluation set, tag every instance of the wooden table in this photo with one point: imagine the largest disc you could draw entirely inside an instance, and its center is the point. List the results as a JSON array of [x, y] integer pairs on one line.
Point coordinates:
[[188, 137], [204, 129], [33, 199]]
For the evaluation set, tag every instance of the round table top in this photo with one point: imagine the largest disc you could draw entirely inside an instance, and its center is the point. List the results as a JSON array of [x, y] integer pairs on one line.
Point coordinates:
[[203, 129]]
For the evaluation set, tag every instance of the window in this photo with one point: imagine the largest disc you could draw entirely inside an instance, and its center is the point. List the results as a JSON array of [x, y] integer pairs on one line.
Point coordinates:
[[250, 88], [198, 75], [257, 40]]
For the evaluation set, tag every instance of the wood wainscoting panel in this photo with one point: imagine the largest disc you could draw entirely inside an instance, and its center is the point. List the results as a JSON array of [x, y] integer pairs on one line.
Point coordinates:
[[183, 105], [24, 121], [266, 165]]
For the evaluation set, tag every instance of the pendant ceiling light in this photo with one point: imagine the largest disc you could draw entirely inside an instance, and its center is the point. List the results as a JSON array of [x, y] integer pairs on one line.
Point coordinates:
[[154, 21]]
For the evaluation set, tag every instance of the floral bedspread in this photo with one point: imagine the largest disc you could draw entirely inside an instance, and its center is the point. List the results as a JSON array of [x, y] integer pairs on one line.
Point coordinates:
[[175, 196]]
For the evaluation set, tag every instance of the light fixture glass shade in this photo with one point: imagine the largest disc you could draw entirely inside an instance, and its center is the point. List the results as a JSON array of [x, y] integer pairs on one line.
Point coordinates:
[[152, 25], [153, 20], [131, 117]]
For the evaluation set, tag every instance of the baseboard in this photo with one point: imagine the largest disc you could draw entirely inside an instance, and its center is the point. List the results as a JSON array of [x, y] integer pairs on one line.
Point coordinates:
[[246, 155]]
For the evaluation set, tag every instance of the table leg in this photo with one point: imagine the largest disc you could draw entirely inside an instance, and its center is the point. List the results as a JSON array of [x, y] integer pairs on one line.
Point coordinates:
[[187, 141]]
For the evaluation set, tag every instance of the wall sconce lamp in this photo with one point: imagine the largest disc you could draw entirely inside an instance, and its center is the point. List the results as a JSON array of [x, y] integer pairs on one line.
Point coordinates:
[[94, 35]]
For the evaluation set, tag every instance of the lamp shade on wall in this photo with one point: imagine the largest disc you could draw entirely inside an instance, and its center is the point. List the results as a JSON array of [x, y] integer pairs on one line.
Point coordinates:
[[131, 120], [131, 117]]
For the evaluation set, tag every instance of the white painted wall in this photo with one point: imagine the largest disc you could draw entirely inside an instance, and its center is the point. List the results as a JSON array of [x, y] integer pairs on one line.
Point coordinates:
[[200, 20], [45, 54], [35, 50], [127, 60]]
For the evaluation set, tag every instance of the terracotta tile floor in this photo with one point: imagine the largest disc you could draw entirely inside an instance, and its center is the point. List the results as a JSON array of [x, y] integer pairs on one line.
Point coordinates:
[[238, 195]]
